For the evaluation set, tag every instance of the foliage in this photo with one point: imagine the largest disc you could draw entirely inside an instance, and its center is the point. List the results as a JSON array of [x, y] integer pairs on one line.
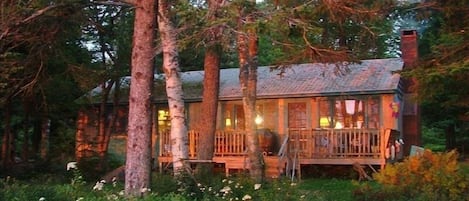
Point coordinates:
[[165, 188], [444, 66], [429, 176], [433, 139]]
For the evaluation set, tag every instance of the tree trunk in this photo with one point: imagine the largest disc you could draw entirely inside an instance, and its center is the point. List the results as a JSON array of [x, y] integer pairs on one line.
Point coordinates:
[[26, 137], [450, 135], [179, 138], [138, 158], [102, 124], [207, 124], [80, 138], [45, 131], [7, 139], [247, 49], [110, 125]]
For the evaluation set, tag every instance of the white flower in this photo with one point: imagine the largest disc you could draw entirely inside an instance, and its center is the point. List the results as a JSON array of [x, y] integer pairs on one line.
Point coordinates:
[[230, 182], [293, 184], [42, 199], [257, 186], [98, 186], [224, 180], [112, 197], [144, 190], [122, 192], [247, 197], [80, 199], [225, 189], [71, 165]]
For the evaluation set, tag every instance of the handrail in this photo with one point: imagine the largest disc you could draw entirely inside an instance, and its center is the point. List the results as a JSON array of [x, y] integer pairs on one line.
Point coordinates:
[[227, 143], [307, 143], [335, 143]]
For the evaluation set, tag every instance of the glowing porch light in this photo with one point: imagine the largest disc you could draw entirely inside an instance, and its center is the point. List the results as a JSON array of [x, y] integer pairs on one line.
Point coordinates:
[[228, 122], [258, 120]]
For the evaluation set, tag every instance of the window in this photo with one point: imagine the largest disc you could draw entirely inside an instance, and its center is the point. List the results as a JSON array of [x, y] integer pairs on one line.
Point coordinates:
[[234, 117], [164, 121], [297, 115], [349, 113]]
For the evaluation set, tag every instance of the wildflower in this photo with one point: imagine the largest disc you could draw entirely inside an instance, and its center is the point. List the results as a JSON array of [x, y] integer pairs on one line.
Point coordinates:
[[209, 188], [42, 199], [302, 196], [225, 189], [122, 192], [144, 190], [199, 184], [293, 184], [257, 186], [112, 197], [99, 185], [230, 182], [224, 180], [80, 199], [71, 165], [114, 181], [246, 197]]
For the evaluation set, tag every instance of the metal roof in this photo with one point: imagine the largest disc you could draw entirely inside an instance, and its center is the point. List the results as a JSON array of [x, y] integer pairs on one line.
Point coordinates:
[[373, 76]]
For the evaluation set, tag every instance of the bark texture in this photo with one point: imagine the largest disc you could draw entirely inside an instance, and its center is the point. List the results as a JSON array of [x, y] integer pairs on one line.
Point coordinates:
[[138, 161], [207, 124], [179, 137], [247, 50]]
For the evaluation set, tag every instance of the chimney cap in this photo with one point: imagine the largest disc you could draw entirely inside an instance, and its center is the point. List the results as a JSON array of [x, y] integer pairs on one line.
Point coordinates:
[[408, 32]]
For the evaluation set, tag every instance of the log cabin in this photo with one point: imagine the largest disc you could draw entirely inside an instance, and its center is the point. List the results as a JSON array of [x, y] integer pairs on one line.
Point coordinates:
[[306, 114]]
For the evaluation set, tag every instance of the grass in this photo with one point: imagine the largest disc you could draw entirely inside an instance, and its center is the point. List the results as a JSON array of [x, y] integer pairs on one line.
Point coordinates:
[[165, 188], [329, 189]]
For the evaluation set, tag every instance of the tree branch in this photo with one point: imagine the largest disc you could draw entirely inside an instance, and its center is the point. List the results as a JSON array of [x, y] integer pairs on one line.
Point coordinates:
[[116, 3]]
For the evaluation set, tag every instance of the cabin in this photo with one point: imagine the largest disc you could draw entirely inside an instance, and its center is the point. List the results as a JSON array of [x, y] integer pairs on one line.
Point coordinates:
[[306, 114]]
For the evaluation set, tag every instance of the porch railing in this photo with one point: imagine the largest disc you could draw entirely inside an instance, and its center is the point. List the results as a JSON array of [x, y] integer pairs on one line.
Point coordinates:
[[227, 143], [304, 143], [335, 143]]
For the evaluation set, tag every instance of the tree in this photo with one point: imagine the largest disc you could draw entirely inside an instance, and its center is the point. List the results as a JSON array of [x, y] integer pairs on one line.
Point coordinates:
[[179, 137], [138, 163], [213, 51], [111, 51], [444, 67], [35, 50], [247, 54]]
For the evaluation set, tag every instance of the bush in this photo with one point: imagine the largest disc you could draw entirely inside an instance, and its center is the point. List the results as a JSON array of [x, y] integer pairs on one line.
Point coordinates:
[[430, 176]]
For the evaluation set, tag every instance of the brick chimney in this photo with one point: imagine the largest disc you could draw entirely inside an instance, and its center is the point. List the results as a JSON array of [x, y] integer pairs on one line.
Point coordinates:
[[411, 123], [409, 47]]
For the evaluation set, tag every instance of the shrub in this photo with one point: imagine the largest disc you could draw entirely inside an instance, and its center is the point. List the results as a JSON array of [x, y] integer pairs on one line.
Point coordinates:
[[429, 176]]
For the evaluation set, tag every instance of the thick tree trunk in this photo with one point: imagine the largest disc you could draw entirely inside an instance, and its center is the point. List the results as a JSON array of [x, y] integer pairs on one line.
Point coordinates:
[[207, 124], [247, 49], [179, 138], [138, 161]]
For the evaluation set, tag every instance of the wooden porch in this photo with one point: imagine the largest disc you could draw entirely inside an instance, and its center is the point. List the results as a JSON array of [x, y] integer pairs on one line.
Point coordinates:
[[299, 147]]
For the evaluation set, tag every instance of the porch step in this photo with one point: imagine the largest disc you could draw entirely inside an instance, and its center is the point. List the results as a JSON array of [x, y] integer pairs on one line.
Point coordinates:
[[274, 168]]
